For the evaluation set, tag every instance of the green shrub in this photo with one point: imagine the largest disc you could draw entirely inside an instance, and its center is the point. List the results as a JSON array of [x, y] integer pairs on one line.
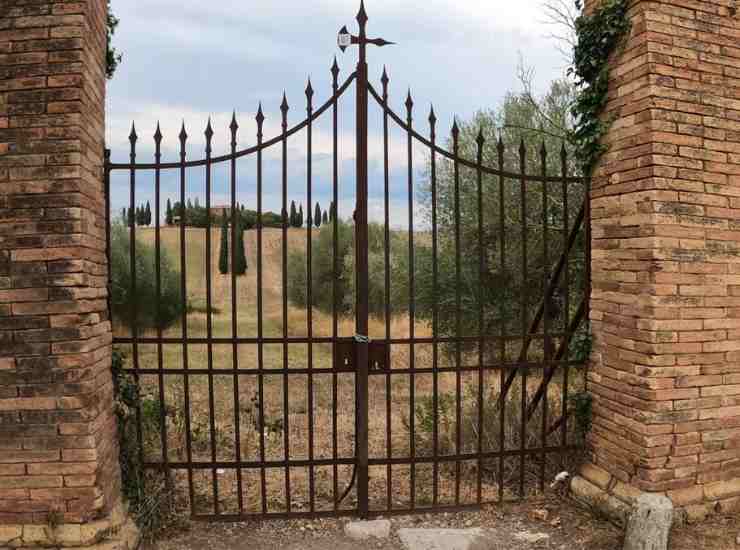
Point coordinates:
[[491, 435], [223, 252], [149, 493], [322, 271], [151, 311]]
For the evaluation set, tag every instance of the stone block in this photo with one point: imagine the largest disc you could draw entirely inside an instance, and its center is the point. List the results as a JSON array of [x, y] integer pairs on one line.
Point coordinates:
[[649, 523], [363, 530]]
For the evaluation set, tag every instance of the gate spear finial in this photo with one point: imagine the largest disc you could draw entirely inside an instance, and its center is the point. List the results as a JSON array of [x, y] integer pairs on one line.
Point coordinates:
[[284, 110], [234, 126], [158, 134], [183, 134], [260, 118], [209, 136], [362, 17], [480, 140], [335, 72]]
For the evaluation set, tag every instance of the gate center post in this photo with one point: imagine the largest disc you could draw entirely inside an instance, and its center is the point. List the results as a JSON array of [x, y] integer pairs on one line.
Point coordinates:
[[361, 262]]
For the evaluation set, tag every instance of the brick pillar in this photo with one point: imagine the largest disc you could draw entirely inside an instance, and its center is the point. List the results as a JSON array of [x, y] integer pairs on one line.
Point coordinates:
[[58, 445], [665, 373]]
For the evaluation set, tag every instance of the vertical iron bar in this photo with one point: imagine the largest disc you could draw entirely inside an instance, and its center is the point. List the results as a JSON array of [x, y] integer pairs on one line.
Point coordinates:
[[134, 303], [458, 312], [566, 286], [106, 183], [158, 283], [234, 312], [309, 298], [587, 221], [502, 314], [260, 325], [184, 296], [335, 279], [481, 341], [361, 231], [286, 398], [523, 286], [209, 321], [412, 316], [546, 309], [435, 314], [387, 263]]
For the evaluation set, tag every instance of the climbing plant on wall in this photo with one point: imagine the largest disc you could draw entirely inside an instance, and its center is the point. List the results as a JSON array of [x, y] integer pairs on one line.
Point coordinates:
[[112, 56], [598, 35]]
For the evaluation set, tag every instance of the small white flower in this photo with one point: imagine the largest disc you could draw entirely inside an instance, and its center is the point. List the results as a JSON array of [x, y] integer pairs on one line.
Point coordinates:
[[562, 477]]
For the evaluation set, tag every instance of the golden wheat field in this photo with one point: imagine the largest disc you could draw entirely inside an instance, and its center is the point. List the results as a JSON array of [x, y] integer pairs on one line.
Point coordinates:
[[318, 428]]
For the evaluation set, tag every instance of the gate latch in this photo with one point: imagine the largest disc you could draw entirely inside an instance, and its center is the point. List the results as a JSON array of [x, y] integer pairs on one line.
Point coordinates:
[[346, 353]]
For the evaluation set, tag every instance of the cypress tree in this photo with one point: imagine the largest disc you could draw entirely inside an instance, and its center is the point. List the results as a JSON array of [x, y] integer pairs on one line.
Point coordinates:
[[169, 216], [240, 262], [223, 255], [137, 216], [300, 216], [317, 215], [124, 215], [148, 214], [293, 215], [325, 218]]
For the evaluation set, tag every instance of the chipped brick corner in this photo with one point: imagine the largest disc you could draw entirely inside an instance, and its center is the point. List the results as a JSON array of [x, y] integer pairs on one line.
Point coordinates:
[[58, 445], [665, 305]]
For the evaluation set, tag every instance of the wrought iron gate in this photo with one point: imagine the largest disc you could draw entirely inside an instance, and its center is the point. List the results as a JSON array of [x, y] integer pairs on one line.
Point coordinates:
[[467, 401]]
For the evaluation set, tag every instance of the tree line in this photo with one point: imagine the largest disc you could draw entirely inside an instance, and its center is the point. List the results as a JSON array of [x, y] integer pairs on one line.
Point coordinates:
[[141, 215], [196, 215]]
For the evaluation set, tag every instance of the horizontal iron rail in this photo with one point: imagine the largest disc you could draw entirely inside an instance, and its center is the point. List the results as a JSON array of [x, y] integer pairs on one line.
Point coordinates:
[[245, 152], [345, 512], [465, 162], [331, 340], [372, 461], [417, 370]]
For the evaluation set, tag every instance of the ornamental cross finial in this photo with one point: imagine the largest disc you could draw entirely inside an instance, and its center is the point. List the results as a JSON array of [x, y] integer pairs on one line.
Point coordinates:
[[347, 39]]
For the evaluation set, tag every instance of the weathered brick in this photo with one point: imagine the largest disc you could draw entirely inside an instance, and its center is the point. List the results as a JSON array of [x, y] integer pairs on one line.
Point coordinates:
[[57, 431], [664, 310]]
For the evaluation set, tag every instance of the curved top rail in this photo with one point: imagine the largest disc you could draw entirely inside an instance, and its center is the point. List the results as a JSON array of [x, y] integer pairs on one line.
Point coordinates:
[[463, 161], [244, 152]]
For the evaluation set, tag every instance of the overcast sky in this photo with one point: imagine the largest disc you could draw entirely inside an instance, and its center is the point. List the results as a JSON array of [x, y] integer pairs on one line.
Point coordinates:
[[191, 59]]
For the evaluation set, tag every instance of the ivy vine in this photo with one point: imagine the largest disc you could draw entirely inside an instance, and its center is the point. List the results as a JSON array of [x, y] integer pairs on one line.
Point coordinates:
[[598, 35], [112, 56]]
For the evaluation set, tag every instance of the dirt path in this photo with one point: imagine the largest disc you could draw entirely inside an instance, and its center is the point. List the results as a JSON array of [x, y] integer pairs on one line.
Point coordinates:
[[508, 527]]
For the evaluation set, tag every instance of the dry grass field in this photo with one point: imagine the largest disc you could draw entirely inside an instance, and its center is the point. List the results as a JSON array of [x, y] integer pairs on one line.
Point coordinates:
[[312, 435]]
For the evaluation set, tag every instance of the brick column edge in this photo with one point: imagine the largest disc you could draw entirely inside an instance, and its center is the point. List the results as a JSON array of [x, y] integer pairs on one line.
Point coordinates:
[[665, 304], [59, 472]]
